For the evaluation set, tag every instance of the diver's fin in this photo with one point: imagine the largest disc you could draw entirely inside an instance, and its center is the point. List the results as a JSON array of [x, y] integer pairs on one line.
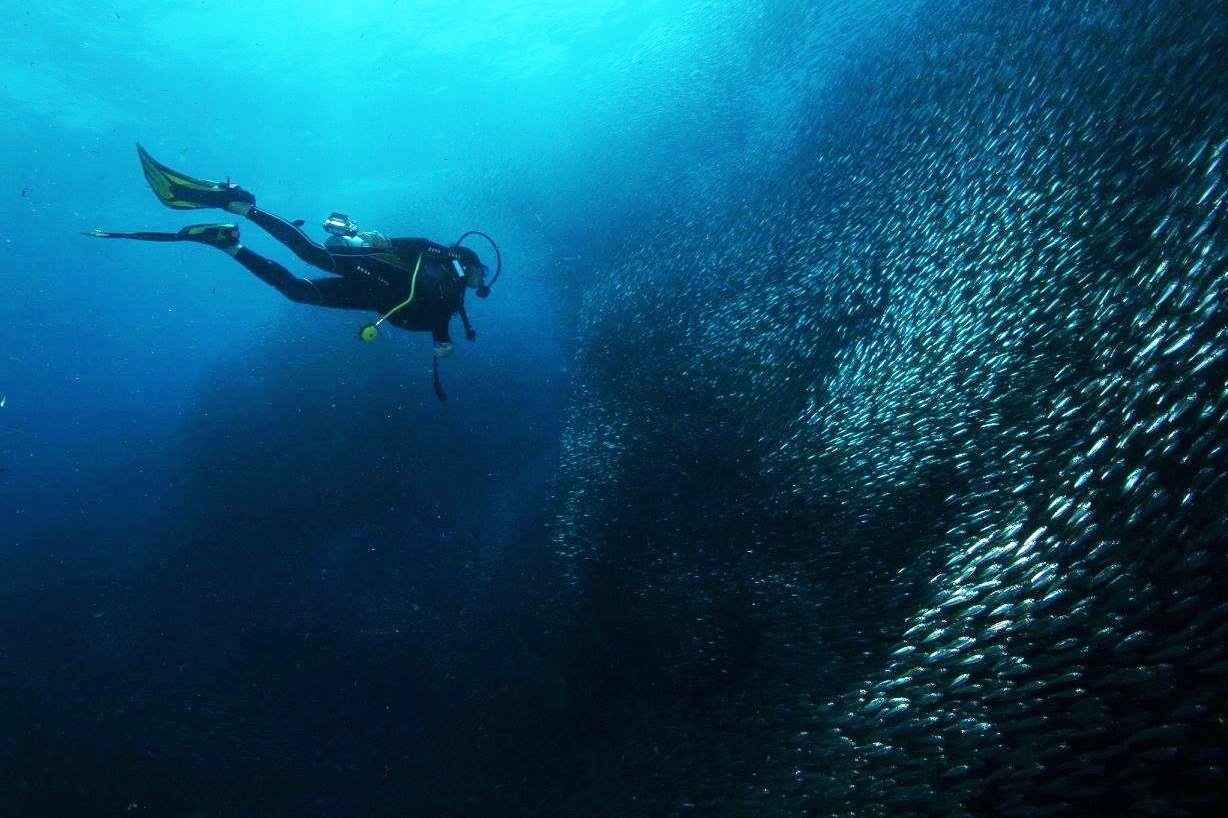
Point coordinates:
[[183, 192], [214, 235], [142, 236]]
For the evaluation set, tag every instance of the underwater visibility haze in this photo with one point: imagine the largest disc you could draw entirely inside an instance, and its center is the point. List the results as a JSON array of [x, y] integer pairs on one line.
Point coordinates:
[[844, 437]]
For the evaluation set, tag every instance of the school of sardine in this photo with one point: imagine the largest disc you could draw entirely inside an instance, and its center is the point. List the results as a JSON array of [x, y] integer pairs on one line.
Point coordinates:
[[945, 405]]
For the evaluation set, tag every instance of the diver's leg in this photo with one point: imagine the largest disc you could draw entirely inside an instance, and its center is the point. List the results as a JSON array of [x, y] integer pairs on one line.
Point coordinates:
[[296, 289], [341, 293], [338, 293], [288, 234]]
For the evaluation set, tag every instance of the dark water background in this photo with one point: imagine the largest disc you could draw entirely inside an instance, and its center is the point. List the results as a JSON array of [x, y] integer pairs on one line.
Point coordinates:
[[846, 437]]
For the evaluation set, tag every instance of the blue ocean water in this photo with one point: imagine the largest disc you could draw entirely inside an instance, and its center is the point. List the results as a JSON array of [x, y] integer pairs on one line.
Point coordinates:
[[844, 436]]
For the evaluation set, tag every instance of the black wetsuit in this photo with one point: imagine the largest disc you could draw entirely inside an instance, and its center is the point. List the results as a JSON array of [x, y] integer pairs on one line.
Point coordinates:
[[369, 278]]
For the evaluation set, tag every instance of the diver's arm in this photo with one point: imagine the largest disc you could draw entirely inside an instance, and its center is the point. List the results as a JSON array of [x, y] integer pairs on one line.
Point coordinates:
[[470, 333]]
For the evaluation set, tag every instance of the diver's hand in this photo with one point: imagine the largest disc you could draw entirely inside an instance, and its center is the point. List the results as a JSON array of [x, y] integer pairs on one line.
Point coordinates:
[[471, 334]]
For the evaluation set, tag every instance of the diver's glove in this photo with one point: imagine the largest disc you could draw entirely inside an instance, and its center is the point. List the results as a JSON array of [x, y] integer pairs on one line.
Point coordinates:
[[471, 334], [442, 349]]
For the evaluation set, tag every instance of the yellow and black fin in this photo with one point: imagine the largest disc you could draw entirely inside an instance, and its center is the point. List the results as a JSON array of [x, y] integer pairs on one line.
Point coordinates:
[[184, 192]]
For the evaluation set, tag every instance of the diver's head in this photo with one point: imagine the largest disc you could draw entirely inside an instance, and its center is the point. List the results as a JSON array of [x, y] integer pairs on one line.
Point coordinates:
[[475, 278], [475, 271], [340, 225]]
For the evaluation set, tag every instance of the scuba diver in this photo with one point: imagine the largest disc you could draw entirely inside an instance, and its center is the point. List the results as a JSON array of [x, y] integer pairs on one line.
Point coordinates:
[[412, 283]]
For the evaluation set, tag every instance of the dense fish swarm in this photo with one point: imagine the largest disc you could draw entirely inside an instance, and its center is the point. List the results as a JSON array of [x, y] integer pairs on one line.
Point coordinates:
[[897, 483]]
